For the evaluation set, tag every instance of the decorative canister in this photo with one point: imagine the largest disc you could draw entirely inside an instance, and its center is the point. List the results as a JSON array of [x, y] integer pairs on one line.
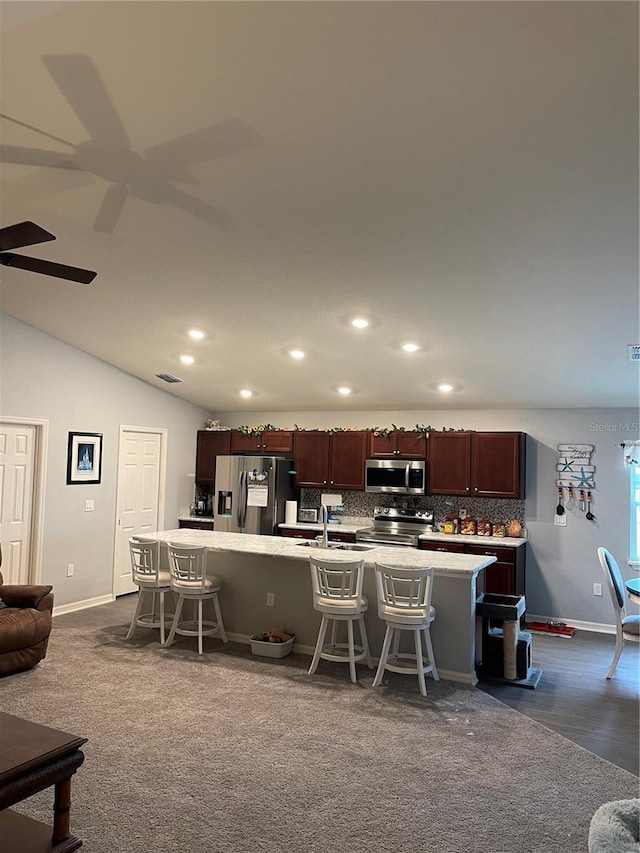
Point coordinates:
[[515, 529], [468, 526], [499, 528], [484, 527]]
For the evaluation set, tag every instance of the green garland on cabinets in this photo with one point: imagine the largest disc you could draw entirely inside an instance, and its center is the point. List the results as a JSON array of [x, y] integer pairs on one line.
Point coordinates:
[[245, 429]]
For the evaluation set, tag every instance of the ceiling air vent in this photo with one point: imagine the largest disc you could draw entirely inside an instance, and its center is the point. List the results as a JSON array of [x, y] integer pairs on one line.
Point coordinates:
[[634, 352], [168, 377]]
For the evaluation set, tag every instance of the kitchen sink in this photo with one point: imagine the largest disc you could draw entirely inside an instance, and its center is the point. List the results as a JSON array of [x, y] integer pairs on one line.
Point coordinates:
[[351, 546], [336, 546]]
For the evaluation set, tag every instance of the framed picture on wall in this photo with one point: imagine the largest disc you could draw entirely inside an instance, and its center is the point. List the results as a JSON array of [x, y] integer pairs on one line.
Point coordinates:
[[84, 458]]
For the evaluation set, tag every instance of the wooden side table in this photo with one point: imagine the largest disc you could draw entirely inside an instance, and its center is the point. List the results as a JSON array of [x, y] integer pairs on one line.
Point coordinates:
[[32, 758]]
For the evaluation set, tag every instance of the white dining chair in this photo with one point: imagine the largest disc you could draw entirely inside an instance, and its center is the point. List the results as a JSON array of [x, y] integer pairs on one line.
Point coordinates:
[[404, 603], [190, 582], [151, 582], [337, 596], [627, 627]]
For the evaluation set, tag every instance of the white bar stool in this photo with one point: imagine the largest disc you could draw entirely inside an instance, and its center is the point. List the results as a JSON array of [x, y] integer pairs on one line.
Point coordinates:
[[337, 595], [190, 582], [404, 603], [150, 580]]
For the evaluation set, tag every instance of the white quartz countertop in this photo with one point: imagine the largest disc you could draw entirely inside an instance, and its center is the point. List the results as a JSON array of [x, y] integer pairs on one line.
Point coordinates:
[[343, 527], [195, 518], [452, 565], [351, 527]]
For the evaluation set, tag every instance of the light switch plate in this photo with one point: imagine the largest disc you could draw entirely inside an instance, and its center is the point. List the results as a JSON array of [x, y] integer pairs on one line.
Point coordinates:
[[560, 520], [88, 506]]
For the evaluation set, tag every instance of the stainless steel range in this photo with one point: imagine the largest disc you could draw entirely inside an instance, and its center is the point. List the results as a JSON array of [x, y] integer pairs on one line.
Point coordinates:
[[396, 526]]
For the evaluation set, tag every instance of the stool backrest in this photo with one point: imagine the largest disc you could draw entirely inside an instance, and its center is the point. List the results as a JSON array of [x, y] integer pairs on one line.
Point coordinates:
[[188, 567], [145, 561], [336, 580], [615, 583], [406, 590]]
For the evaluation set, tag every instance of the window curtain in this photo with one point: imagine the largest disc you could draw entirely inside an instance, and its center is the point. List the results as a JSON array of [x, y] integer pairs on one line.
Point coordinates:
[[630, 453]]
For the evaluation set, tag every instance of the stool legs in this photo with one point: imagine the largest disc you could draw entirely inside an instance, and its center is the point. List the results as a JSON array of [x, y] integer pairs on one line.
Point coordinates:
[[334, 645], [384, 654], [319, 644], [390, 650], [174, 624], [223, 633]]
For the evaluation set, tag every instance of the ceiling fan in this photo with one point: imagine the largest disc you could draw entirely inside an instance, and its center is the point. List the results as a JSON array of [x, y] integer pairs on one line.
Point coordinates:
[[28, 234], [108, 153]]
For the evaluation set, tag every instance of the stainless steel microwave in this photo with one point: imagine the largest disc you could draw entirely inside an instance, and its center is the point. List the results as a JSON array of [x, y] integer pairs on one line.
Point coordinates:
[[396, 476]]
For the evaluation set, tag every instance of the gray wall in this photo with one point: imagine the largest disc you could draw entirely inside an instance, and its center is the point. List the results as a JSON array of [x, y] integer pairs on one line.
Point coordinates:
[[561, 561], [40, 377]]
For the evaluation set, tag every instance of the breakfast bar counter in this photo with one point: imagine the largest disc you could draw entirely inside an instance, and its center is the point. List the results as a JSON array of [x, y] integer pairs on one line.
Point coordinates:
[[251, 566]]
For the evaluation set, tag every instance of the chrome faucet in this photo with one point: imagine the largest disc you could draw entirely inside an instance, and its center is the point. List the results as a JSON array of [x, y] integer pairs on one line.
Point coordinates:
[[324, 515]]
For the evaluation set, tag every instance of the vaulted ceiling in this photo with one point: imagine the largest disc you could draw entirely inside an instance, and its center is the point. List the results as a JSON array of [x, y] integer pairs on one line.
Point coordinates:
[[463, 174]]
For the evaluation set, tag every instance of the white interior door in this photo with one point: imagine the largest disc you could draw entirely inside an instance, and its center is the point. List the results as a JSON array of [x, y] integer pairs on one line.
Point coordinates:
[[140, 482], [17, 466]]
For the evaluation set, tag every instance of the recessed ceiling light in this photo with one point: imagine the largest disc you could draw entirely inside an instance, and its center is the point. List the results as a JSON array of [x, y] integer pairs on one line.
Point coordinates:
[[187, 359], [360, 322], [196, 334], [297, 353], [246, 393], [344, 390], [411, 347], [445, 387]]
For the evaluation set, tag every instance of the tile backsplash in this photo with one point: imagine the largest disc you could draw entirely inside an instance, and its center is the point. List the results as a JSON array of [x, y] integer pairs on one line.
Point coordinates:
[[363, 504]]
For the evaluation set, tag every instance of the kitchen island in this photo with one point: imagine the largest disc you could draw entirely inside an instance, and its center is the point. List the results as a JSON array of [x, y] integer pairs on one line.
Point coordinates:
[[251, 566]]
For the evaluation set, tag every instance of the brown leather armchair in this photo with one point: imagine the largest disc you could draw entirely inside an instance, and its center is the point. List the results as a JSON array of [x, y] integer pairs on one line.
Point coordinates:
[[25, 625]]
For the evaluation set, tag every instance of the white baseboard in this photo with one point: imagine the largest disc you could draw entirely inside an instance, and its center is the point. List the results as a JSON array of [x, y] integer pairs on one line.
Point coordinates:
[[300, 648], [82, 605], [596, 627]]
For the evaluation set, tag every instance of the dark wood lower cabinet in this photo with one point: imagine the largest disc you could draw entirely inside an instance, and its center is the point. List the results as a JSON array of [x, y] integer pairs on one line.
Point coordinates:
[[334, 535], [195, 525], [506, 576]]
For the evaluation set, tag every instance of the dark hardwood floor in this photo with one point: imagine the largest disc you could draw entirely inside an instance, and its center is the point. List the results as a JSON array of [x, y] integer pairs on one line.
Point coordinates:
[[573, 697]]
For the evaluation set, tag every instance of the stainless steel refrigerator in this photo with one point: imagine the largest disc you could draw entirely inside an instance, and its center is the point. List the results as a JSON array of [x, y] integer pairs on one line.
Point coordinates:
[[251, 492]]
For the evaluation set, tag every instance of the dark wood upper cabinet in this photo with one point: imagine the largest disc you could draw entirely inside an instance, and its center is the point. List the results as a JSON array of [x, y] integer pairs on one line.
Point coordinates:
[[330, 461], [497, 465], [311, 459], [477, 464], [269, 441], [347, 454], [210, 443], [397, 445], [449, 463]]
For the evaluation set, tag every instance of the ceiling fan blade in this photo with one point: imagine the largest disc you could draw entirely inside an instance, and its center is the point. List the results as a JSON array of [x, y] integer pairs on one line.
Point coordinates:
[[37, 130], [197, 207], [8, 259], [23, 234], [43, 183], [82, 86], [219, 140], [111, 208], [35, 157]]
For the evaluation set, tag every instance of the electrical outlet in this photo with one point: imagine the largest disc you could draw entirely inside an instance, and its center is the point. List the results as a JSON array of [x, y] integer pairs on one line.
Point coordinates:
[[88, 506], [271, 599], [462, 513], [560, 520], [70, 570], [597, 589]]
